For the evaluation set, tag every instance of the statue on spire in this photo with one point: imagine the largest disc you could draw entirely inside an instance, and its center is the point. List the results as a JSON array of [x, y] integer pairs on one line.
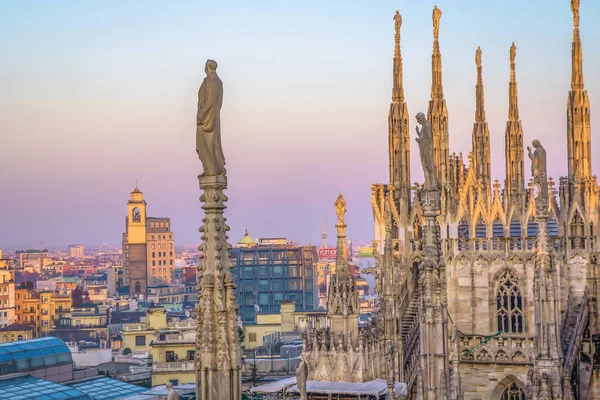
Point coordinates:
[[425, 141], [538, 172], [513, 53], [575, 10], [437, 14], [478, 57], [397, 22], [340, 209]]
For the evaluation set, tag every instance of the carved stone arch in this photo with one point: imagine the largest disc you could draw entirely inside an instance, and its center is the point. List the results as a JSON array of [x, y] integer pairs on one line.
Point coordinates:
[[518, 356], [500, 355], [576, 225], [505, 383], [575, 208], [483, 355]]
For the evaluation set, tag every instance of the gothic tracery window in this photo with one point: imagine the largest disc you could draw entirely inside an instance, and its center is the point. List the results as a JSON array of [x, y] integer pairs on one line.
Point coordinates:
[[513, 392], [509, 303]]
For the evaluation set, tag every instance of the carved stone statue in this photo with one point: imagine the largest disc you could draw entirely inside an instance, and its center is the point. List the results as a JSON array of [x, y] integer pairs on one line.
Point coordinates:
[[208, 122], [575, 10], [340, 208], [171, 393], [437, 14], [478, 57], [538, 170], [389, 359], [397, 22], [425, 141], [301, 377], [513, 53]]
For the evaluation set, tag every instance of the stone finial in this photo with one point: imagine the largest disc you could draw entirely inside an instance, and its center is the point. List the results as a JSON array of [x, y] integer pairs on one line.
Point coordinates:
[[478, 57]]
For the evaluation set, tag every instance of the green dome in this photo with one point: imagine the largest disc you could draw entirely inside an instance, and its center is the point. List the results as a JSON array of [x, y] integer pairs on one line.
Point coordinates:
[[246, 240]]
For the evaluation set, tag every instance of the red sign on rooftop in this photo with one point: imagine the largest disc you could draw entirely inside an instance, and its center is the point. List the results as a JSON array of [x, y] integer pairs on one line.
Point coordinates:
[[327, 253]]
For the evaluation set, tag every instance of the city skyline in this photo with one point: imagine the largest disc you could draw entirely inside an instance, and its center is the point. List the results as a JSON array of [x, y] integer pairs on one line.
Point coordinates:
[[110, 113]]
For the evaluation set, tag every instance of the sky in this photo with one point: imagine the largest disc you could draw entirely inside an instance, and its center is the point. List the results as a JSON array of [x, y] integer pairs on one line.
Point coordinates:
[[97, 95]]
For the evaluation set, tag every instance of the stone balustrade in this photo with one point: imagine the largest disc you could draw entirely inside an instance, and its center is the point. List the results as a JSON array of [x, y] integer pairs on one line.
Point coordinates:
[[512, 349], [174, 366]]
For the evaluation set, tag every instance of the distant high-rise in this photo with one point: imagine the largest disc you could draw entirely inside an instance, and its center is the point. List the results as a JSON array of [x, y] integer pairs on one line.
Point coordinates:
[[76, 251], [148, 247]]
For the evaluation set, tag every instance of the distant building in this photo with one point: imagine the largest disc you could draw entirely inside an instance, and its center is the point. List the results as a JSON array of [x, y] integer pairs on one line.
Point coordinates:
[[273, 271], [7, 292], [148, 247], [76, 251], [28, 257], [87, 323], [96, 286], [15, 332]]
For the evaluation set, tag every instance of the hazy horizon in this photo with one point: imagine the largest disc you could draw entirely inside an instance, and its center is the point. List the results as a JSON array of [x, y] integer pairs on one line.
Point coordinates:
[[98, 95]]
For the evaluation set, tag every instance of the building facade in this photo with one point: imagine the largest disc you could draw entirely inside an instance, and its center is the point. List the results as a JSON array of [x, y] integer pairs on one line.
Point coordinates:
[[489, 291], [267, 274], [76, 251], [7, 292], [148, 247]]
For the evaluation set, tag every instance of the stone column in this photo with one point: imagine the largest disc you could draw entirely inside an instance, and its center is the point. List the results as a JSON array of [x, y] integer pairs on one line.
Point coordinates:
[[548, 355], [433, 307], [218, 351]]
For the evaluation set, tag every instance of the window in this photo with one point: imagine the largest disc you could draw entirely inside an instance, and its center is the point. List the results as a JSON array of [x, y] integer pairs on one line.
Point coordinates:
[[153, 271], [175, 382], [513, 392], [170, 245], [532, 228], [515, 228], [509, 303], [140, 340], [20, 337], [263, 285], [263, 299], [191, 354], [153, 246], [497, 229], [480, 229], [252, 337], [463, 229], [138, 290], [153, 263], [170, 262], [170, 356]]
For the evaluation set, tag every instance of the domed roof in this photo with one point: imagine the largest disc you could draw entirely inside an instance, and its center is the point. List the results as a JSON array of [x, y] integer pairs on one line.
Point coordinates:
[[136, 190], [246, 240]]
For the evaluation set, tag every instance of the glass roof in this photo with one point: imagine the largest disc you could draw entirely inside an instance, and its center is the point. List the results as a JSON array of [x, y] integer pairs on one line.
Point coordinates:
[[27, 355], [108, 389], [30, 388]]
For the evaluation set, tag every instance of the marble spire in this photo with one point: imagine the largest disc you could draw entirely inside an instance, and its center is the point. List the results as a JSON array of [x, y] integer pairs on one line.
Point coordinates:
[[218, 352], [342, 301], [481, 133], [437, 113], [513, 141], [398, 128], [578, 114]]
